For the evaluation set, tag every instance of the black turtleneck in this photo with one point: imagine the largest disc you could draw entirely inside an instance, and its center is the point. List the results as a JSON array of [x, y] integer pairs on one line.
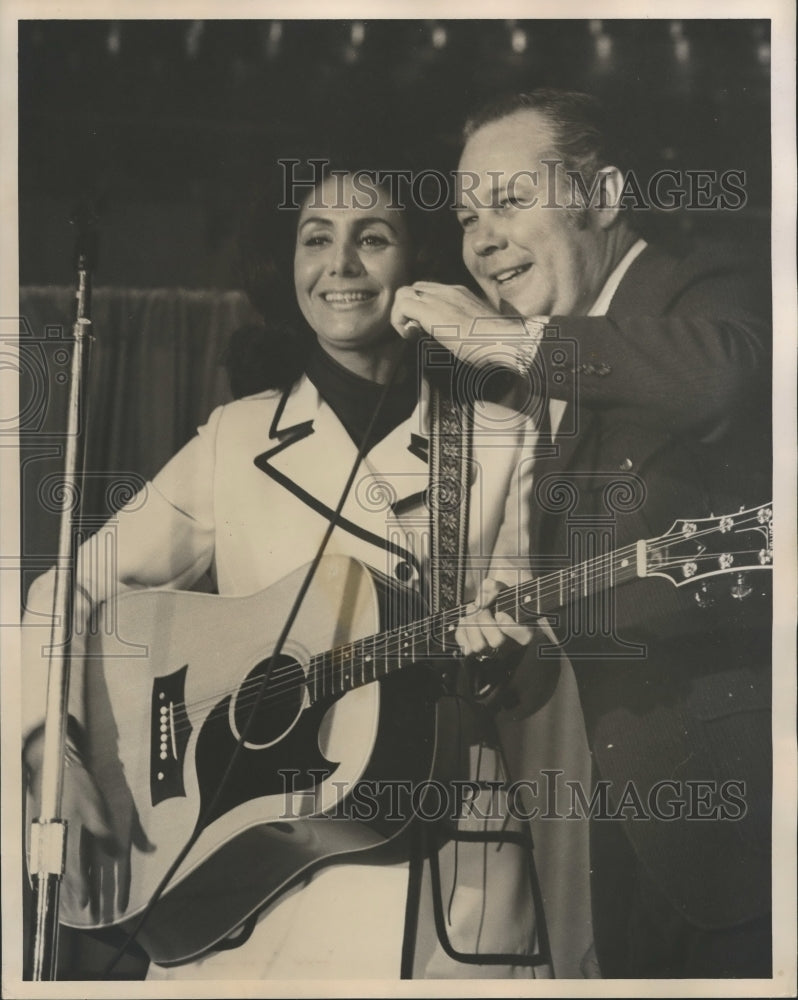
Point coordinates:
[[353, 398]]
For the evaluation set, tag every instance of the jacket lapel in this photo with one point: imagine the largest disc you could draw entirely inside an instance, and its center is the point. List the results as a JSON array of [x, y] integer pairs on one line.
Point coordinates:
[[636, 293], [310, 449], [311, 455], [647, 286], [400, 461]]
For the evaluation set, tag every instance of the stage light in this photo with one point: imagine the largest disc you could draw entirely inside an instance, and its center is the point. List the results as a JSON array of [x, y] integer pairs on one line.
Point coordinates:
[[519, 40], [761, 44], [273, 39], [194, 38], [114, 40], [358, 33], [603, 46]]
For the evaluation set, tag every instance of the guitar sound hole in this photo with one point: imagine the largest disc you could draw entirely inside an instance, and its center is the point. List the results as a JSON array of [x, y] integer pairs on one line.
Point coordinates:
[[279, 707]]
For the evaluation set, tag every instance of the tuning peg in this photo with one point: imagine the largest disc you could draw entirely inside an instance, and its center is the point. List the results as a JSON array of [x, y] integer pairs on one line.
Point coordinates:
[[703, 596], [742, 588]]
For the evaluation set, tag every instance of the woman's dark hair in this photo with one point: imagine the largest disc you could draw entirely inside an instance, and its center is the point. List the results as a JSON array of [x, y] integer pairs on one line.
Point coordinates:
[[273, 355]]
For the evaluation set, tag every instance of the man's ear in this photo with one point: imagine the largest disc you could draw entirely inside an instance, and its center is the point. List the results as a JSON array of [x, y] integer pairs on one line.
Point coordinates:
[[606, 203]]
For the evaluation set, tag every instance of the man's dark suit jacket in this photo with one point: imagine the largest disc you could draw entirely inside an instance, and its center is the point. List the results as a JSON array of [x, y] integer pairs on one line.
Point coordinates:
[[673, 403]]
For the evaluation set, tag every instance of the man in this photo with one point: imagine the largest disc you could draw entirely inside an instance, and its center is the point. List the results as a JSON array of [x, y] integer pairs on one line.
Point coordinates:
[[652, 370]]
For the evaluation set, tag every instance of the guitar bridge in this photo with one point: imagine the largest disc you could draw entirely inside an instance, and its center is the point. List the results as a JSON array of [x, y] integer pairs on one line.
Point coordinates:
[[170, 730]]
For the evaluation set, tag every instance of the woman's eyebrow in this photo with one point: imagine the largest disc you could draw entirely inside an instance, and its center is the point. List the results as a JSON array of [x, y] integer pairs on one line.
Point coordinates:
[[360, 223], [315, 219], [369, 220]]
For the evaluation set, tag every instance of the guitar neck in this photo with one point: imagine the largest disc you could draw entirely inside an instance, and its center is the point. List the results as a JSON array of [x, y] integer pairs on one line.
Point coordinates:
[[336, 671], [691, 550]]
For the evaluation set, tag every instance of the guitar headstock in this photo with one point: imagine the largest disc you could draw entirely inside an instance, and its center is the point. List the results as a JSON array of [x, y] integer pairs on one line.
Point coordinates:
[[693, 550]]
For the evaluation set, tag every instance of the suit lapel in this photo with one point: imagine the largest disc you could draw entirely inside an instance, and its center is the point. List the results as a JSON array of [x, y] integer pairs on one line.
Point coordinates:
[[647, 286], [636, 293]]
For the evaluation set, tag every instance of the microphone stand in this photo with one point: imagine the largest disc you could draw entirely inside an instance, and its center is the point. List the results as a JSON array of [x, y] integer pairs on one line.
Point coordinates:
[[48, 832]]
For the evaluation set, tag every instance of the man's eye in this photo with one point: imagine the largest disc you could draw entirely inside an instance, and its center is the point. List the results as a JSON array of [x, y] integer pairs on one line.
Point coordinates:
[[509, 201], [467, 221], [315, 240]]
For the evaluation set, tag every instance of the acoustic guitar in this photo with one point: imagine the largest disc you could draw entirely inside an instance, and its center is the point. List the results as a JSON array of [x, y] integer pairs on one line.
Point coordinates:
[[347, 717]]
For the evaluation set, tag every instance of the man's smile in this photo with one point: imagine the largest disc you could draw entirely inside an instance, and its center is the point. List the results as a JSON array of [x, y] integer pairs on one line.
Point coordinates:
[[509, 273]]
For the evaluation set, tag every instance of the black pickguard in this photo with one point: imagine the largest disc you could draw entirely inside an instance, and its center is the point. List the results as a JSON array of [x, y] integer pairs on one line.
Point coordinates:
[[403, 750], [295, 762]]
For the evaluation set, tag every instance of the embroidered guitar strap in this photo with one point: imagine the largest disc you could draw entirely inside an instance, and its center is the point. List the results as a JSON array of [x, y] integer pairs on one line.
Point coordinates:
[[450, 460], [450, 447], [450, 443]]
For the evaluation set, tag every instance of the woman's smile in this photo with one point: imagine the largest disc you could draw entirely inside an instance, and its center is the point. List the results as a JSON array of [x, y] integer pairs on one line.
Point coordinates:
[[347, 298], [348, 263]]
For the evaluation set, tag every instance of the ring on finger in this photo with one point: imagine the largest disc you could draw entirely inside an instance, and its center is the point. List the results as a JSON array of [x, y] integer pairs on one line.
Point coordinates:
[[488, 656]]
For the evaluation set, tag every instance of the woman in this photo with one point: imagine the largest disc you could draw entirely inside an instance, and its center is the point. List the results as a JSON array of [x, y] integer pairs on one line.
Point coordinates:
[[248, 501]]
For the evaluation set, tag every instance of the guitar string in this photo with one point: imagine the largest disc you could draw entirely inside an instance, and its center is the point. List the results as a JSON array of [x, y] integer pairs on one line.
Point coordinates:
[[300, 685], [505, 601], [331, 662], [324, 665]]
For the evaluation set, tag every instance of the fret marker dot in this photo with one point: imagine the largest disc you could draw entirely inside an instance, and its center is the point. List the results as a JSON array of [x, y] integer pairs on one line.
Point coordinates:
[[368, 659], [625, 562], [527, 599]]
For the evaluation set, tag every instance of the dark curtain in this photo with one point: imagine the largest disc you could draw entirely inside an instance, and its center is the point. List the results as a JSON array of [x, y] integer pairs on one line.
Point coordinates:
[[155, 372]]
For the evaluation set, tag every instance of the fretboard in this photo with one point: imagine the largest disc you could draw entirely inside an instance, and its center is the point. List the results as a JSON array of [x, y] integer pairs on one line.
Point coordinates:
[[363, 661]]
